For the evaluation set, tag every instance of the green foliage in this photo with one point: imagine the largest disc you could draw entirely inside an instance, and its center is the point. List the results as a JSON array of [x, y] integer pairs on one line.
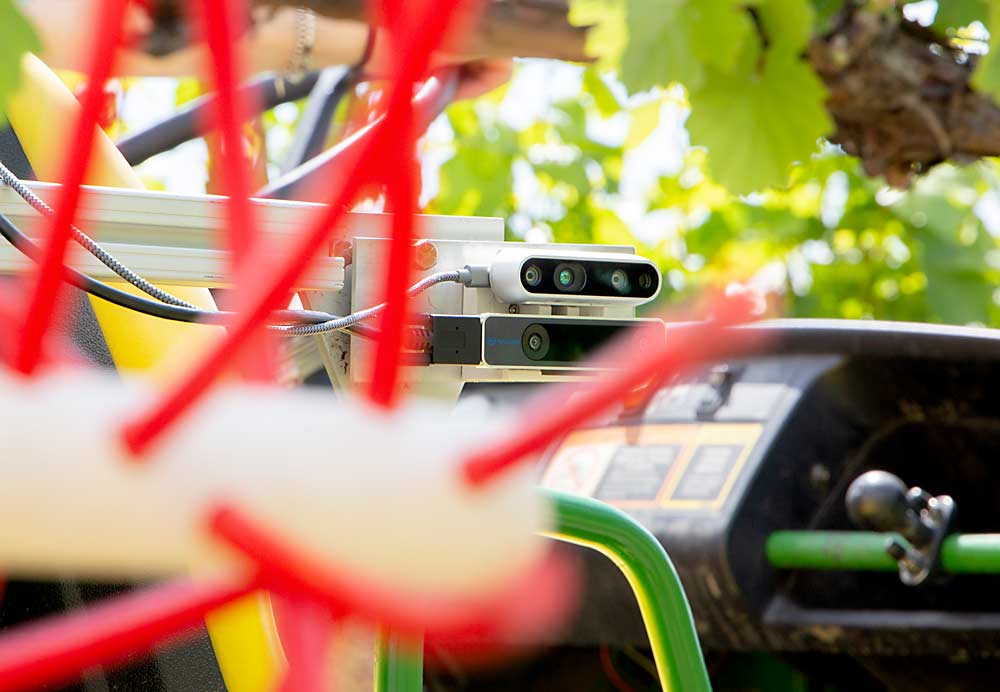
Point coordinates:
[[987, 75], [607, 36], [676, 40], [756, 125], [756, 104], [952, 14], [747, 53], [832, 242], [825, 12], [767, 112], [17, 37], [487, 160]]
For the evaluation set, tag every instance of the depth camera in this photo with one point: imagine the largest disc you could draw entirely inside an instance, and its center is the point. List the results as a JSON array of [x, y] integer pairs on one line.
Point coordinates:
[[573, 278]]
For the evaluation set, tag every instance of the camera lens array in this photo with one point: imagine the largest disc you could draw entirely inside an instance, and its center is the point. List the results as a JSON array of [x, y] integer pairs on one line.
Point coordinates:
[[606, 279]]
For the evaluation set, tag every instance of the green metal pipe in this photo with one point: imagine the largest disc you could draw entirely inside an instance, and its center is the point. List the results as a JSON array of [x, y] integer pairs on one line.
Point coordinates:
[[644, 562], [859, 550], [865, 550], [399, 664], [971, 553]]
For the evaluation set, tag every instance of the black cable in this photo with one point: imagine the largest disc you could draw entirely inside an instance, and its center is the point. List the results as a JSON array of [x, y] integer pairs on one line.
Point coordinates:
[[102, 290], [90, 245], [124, 299], [431, 98], [189, 122], [176, 313], [316, 121]]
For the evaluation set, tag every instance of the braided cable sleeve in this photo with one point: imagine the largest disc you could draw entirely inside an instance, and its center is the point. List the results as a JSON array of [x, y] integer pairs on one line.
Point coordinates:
[[91, 246], [362, 315]]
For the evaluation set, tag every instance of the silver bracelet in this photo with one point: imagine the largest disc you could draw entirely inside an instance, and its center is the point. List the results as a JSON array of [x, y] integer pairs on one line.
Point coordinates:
[[305, 38]]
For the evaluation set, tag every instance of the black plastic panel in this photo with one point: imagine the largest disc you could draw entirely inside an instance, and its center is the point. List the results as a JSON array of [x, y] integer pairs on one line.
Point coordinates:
[[917, 401], [563, 342]]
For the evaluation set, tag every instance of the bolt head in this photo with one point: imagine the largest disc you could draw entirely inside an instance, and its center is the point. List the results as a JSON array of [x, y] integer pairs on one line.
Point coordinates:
[[425, 255], [896, 549]]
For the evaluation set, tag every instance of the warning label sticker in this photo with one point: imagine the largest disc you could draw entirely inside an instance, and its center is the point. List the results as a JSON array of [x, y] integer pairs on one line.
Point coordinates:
[[683, 466]]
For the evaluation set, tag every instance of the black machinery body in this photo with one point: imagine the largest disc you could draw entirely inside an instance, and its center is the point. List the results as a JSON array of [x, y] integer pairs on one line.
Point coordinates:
[[714, 464]]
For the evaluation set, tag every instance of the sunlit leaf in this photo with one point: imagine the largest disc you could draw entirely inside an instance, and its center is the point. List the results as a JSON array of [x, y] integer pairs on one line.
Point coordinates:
[[607, 34], [959, 13], [17, 37], [604, 98], [645, 118], [675, 40], [788, 24], [660, 48], [755, 125], [986, 77]]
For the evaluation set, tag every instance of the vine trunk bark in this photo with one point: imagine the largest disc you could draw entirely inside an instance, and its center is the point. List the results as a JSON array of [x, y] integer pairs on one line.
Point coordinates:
[[899, 93]]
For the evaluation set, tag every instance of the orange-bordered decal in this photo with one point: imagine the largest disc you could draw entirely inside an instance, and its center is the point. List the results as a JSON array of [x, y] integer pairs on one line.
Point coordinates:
[[680, 466]]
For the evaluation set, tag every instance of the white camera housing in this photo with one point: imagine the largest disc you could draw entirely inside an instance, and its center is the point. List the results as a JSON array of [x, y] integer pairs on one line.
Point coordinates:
[[556, 276]]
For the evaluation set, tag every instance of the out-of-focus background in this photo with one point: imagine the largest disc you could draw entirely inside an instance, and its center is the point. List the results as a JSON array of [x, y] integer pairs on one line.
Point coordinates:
[[565, 153]]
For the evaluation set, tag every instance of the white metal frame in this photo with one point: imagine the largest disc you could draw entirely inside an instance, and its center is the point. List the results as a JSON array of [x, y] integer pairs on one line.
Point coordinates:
[[174, 240]]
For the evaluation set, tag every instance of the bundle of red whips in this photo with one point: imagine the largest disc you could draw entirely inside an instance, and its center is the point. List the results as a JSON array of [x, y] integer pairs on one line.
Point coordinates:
[[58, 649]]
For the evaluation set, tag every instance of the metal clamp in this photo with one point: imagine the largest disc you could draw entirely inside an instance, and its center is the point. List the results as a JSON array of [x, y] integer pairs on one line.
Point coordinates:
[[919, 522]]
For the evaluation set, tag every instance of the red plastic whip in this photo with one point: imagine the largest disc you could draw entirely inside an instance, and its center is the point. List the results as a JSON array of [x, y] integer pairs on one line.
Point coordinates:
[[542, 596], [305, 630], [256, 302], [59, 648], [401, 196], [219, 21], [42, 303], [229, 111], [138, 434], [563, 408]]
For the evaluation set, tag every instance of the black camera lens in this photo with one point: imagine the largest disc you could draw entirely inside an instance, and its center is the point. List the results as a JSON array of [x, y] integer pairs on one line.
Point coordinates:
[[570, 277], [535, 342], [645, 281], [620, 282], [533, 275]]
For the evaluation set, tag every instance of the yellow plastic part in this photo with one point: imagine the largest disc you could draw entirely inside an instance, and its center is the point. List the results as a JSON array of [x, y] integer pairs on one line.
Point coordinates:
[[42, 109], [246, 644]]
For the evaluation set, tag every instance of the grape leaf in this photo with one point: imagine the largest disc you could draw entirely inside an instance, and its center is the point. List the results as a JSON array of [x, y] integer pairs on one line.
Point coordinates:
[[17, 37], [755, 124], [959, 13], [674, 40], [825, 11], [986, 77], [660, 49], [645, 119], [958, 290], [787, 23], [719, 30], [605, 99], [607, 35]]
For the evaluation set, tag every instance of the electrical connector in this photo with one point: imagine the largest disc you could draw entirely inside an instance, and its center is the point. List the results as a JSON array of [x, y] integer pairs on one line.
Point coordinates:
[[475, 276]]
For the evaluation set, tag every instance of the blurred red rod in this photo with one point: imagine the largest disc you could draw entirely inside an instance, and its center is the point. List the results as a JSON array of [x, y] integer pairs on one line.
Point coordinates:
[[566, 407], [541, 595], [256, 302], [57, 649], [41, 306], [220, 26]]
